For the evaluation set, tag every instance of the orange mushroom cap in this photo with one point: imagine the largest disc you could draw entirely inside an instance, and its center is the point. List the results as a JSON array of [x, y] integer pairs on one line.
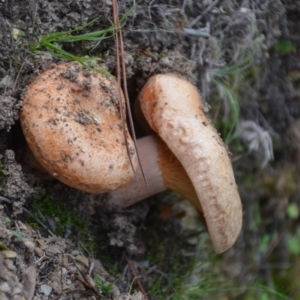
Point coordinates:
[[71, 121]]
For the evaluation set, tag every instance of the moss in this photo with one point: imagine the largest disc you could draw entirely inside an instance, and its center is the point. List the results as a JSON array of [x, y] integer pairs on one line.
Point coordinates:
[[105, 288], [168, 266], [285, 47], [64, 217]]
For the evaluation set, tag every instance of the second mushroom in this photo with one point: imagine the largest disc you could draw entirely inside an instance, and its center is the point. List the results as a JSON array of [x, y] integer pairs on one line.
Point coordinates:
[[188, 156]]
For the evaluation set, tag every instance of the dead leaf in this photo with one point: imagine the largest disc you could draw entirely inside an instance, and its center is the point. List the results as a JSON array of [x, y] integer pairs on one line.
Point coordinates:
[[29, 282], [83, 260], [9, 254], [3, 247]]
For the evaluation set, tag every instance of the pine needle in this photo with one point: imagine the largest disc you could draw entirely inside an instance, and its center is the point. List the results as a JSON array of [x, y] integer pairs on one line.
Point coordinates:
[[121, 71]]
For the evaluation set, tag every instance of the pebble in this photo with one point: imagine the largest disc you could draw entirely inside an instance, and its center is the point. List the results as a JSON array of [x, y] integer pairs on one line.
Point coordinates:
[[10, 265], [46, 289], [38, 251], [29, 245], [4, 287], [75, 252], [68, 282]]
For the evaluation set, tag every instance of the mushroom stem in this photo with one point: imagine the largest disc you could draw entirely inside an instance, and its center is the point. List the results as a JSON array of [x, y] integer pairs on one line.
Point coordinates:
[[137, 190], [163, 171]]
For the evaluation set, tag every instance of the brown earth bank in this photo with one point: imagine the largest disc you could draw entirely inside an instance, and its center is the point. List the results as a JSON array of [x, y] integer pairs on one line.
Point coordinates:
[[60, 243]]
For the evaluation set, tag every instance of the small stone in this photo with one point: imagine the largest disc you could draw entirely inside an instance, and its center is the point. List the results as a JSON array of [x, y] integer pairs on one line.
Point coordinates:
[[46, 289], [64, 271], [29, 245], [38, 251], [75, 252], [10, 265], [5, 288]]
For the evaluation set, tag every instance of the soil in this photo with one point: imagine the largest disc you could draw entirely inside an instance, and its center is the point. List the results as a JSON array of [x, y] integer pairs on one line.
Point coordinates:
[[59, 243]]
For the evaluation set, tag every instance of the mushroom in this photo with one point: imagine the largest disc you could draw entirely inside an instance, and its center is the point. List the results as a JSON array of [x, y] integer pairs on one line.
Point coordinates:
[[71, 121], [188, 157]]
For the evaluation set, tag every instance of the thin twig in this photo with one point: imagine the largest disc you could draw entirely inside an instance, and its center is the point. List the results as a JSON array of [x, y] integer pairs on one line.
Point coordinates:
[[40, 222], [128, 106], [133, 272], [183, 6], [204, 32], [149, 9], [122, 71], [131, 285], [29, 213], [91, 268], [115, 17], [83, 292], [40, 259], [17, 78], [82, 279], [274, 244]]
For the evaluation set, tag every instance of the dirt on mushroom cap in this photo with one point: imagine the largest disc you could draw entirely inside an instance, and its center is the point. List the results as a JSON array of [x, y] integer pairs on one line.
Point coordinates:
[[71, 120], [172, 107]]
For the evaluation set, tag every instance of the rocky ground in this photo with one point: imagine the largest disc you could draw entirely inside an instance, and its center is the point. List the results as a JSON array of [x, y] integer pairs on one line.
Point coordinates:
[[57, 243]]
